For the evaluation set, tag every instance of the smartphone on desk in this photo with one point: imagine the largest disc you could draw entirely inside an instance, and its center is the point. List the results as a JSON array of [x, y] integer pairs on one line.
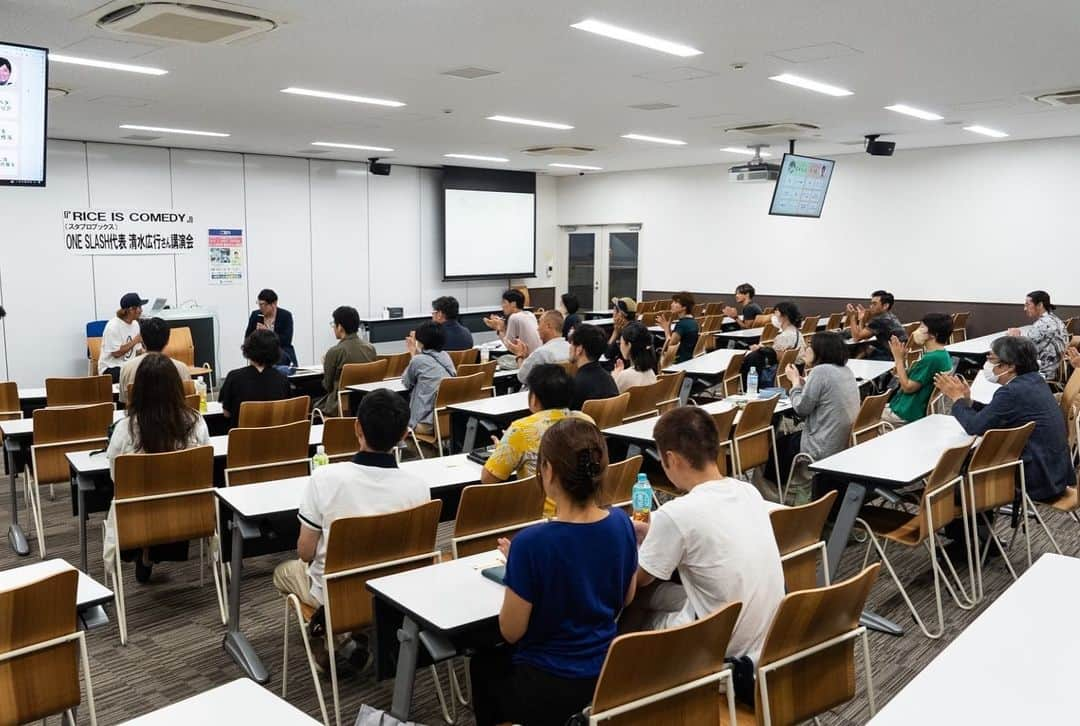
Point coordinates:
[[481, 455]]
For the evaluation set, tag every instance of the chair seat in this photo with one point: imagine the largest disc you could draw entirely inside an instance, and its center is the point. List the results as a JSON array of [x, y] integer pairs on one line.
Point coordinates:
[[195, 372], [894, 525], [744, 715], [1067, 502], [307, 611]]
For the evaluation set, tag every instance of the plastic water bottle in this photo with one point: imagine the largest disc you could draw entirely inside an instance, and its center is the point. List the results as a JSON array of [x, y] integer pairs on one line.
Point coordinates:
[[320, 458], [642, 497], [200, 388], [751, 382]]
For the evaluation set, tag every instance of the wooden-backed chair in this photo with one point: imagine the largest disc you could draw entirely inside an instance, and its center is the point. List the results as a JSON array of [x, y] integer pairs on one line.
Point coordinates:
[[10, 408], [648, 319], [524, 292], [732, 380], [181, 346], [456, 389], [755, 437], [487, 512], [836, 321], [160, 499], [959, 327], [193, 401], [990, 482], [487, 368], [715, 308], [359, 549], [670, 676], [468, 356], [647, 400], [618, 485], [93, 355], [725, 424], [259, 414], [809, 327], [187, 384], [785, 359], [339, 438], [268, 453], [937, 508], [798, 537], [1072, 326], [807, 664], [912, 351], [396, 363], [57, 432], [868, 424], [768, 334], [353, 374], [80, 391], [668, 394], [910, 328], [42, 648], [1068, 398], [711, 323], [607, 412], [703, 345]]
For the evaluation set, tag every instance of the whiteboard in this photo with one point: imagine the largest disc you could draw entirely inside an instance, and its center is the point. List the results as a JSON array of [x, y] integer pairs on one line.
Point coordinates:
[[489, 234]]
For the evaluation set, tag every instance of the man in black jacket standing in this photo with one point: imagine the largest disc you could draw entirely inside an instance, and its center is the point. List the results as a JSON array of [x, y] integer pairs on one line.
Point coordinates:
[[270, 317]]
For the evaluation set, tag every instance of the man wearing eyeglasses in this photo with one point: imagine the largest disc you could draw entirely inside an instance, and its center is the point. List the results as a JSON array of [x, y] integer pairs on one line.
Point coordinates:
[[348, 349]]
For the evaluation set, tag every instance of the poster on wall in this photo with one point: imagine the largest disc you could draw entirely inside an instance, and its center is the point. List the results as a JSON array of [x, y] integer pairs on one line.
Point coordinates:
[[225, 248], [128, 231]]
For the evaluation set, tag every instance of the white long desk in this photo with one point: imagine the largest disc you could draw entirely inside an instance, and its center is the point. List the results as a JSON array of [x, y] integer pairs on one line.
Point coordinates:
[[237, 702], [396, 386], [38, 394], [25, 426], [979, 347], [1010, 665], [90, 595], [641, 431], [500, 409]]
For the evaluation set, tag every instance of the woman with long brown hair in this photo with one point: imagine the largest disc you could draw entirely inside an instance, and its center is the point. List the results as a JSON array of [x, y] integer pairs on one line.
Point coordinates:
[[158, 420]]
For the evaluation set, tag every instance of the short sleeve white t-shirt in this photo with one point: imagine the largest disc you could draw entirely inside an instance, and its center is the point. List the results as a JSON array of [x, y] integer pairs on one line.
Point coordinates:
[[352, 490], [116, 334], [719, 537]]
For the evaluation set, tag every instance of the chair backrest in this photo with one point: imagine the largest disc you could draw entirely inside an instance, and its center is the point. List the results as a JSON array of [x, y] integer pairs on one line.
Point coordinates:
[[618, 485], [80, 391], [191, 400], [715, 308], [809, 325], [768, 334], [959, 325], [453, 390], [471, 369], [644, 399], [339, 438], [733, 375], [994, 468], [181, 346], [258, 414], [648, 319], [487, 512], [939, 495], [267, 453], [58, 431], [396, 363], [836, 321], [786, 359], [464, 357], [725, 423], [9, 401], [867, 423], [1072, 326], [93, 353], [359, 549], [607, 412], [525, 293], [161, 498], [43, 682], [657, 666], [711, 323], [702, 345], [798, 537], [816, 681], [754, 432], [353, 374], [1068, 396], [187, 383], [669, 392]]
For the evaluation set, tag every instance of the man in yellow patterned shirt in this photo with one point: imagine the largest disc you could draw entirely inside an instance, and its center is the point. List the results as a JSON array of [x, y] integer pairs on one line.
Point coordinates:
[[550, 393]]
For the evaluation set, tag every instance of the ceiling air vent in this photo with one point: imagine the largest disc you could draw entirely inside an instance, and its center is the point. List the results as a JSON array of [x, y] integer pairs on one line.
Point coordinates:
[[558, 150], [470, 73], [184, 22], [787, 129], [140, 137], [1061, 98]]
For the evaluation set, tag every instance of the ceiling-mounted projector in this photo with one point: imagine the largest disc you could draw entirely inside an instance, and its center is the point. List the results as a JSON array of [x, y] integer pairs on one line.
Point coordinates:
[[754, 170]]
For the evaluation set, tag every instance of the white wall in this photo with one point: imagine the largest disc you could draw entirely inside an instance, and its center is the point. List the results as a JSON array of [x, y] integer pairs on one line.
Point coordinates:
[[321, 233], [985, 222]]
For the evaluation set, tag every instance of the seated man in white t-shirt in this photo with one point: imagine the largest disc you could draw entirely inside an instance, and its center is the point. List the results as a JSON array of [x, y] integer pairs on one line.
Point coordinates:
[[369, 484], [718, 536]]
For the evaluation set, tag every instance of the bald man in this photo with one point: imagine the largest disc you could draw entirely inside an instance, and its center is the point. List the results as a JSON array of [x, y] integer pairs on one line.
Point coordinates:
[[554, 348]]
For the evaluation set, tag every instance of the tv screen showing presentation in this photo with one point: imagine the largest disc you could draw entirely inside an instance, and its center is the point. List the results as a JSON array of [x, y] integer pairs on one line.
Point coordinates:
[[489, 223], [24, 80], [800, 191]]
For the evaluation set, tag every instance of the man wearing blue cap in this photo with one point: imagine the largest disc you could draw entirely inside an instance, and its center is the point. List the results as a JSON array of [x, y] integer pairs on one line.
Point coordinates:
[[121, 340]]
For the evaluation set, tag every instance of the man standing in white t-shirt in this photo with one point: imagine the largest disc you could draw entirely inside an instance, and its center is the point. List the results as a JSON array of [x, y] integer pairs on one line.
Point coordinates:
[[121, 340], [369, 484], [718, 536]]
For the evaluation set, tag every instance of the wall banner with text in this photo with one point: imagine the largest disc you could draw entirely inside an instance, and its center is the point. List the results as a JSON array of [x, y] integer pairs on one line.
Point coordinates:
[[225, 248], [128, 231]]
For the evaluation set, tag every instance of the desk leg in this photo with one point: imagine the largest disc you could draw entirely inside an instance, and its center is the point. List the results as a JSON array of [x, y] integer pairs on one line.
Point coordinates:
[[684, 392], [236, 645], [405, 677], [854, 496], [470, 434], [16, 538], [82, 523]]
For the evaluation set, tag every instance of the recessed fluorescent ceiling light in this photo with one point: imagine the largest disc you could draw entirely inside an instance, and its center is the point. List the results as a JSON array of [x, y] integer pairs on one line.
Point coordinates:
[[577, 166], [361, 147], [737, 150], [530, 122], [654, 139], [916, 112], [993, 133], [631, 36], [342, 97], [146, 70], [475, 157], [793, 80], [163, 130]]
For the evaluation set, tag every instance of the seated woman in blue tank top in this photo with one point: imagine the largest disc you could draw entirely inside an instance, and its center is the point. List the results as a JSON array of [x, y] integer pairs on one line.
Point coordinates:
[[567, 580]]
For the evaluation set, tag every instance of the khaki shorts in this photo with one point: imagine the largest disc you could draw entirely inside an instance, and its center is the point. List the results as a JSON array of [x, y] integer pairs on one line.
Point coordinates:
[[291, 578]]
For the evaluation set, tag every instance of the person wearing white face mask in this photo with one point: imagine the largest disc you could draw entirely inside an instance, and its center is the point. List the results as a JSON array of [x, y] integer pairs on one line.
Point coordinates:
[[1023, 396], [786, 319], [916, 383]]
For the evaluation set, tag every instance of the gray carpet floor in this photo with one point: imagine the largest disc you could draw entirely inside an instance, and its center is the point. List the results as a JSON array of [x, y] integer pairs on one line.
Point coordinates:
[[174, 649]]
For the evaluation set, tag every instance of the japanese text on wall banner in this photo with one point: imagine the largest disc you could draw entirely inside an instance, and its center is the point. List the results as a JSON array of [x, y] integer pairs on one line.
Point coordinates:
[[128, 232], [225, 248]]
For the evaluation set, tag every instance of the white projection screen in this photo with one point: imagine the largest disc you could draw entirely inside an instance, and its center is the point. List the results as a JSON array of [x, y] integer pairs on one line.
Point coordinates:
[[489, 224]]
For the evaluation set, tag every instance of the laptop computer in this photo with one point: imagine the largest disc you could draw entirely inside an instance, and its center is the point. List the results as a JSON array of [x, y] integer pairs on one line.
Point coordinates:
[[158, 306]]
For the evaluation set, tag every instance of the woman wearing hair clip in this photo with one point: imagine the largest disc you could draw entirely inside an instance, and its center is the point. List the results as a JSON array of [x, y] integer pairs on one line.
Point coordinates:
[[566, 580]]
